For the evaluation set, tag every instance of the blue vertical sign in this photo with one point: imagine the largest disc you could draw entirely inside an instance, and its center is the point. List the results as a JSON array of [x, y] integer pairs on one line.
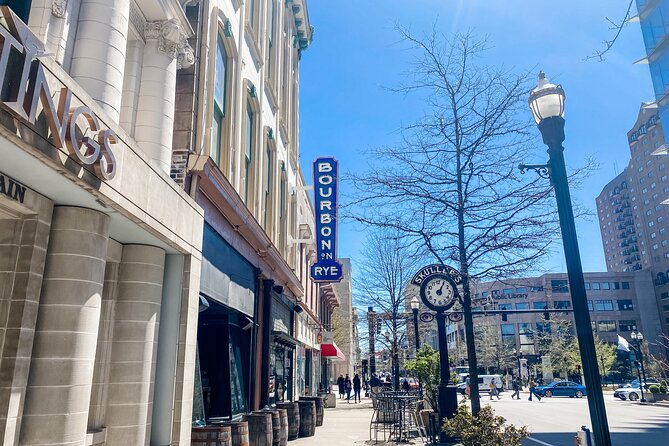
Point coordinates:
[[326, 268]]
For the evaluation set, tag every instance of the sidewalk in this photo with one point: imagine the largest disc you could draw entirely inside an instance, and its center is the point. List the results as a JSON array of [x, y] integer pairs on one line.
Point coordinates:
[[344, 425]]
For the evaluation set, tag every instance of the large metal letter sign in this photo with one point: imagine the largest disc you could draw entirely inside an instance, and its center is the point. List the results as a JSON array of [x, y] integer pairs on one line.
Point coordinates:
[[326, 268]]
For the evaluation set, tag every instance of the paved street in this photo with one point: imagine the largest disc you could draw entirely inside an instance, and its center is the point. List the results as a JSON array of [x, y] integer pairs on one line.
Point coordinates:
[[552, 422]]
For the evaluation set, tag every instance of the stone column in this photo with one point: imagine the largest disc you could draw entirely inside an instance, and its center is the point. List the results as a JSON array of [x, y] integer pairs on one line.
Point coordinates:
[[61, 369], [133, 356], [166, 361], [166, 50], [99, 53]]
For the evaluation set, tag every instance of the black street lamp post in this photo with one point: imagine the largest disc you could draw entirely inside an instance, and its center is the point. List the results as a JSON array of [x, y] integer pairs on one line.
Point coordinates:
[[547, 104], [519, 356], [415, 304], [641, 371]]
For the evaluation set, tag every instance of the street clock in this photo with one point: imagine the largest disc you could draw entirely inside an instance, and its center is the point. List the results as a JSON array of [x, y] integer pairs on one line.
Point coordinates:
[[438, 286]]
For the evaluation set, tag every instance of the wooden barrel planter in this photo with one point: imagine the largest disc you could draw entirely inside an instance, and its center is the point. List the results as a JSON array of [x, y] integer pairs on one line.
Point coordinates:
[[293, 413], [239, 431], [211, 436], [319, 407], [283, 424], [276, 426], [307, 418], [260, 428]]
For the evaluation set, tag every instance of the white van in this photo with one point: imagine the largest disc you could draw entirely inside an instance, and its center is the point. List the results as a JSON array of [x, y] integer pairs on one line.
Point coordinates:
[[484, 382]]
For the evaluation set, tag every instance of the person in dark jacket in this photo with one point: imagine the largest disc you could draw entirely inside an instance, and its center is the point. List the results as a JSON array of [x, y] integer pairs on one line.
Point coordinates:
[[357, 385], [340, 384], [348, 386], [406, 386]]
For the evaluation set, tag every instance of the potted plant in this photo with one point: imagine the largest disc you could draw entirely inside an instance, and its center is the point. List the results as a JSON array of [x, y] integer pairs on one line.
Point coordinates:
[[486, 429], [426, 369]]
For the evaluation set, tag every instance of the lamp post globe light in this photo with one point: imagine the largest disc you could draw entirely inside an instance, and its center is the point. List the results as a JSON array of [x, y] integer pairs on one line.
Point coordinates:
[[415, 304], [546, 102]]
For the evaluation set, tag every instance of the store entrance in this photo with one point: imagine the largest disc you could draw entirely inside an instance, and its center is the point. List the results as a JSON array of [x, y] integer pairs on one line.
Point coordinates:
[[281, 373], [224, 343]]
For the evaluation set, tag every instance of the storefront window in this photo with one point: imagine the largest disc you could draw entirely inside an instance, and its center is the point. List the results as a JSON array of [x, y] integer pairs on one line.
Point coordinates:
[[281, 373]]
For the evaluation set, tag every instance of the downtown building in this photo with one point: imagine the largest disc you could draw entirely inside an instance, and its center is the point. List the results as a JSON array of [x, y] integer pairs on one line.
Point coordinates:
[[632, 211], [653, 16], [619, 303], [262, 330], [100, 250]]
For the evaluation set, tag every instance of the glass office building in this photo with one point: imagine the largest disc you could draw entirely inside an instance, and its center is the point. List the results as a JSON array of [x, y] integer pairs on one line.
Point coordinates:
[[653, 15]]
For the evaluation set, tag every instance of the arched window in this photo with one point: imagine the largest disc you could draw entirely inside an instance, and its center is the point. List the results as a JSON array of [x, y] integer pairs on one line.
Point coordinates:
[[624, 185], [220, 96]]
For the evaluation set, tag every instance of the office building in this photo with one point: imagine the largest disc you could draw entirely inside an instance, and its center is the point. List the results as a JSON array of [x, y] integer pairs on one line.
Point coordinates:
[[100, 250], [633, 216]]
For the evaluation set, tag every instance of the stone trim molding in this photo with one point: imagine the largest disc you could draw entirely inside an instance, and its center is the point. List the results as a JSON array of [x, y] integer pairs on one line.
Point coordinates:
[[137, 19], [58, 8], [172, 41]]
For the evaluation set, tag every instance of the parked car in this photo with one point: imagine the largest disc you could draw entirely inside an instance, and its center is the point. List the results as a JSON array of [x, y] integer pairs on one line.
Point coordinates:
[[628, 393], [413, 382], [649, 382], [562, 388]]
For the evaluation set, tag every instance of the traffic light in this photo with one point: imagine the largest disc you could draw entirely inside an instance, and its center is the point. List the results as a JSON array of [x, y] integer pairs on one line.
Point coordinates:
[[378, 326]]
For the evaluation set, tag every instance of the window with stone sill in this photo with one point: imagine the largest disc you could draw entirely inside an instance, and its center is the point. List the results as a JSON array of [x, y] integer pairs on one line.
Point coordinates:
[[627, 325], [273, 45], [249, 153], [606, 326], [221, 76], [604, 305]]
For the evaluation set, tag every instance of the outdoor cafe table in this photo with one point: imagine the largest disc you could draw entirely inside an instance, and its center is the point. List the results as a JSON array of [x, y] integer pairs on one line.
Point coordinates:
[[402, 403]]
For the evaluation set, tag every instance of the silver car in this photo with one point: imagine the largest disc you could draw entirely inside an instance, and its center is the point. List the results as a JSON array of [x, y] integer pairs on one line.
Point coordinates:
[[628, 393]]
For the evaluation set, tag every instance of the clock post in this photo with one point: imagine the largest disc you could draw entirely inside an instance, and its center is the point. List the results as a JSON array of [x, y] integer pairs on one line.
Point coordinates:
[[448, 399], [439, 292]]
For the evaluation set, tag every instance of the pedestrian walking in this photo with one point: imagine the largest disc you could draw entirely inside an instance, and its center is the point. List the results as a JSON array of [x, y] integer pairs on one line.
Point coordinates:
[[468, 390], [515, 383], [348, 386], [375, 384], [340, 384], [493, 389], [533, 386], [356, 388], [406, 386]]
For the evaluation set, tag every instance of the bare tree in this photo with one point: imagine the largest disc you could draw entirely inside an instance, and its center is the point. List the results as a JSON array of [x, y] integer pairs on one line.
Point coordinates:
[[616, 28], [491, 351], [381, 280], [451, 186]]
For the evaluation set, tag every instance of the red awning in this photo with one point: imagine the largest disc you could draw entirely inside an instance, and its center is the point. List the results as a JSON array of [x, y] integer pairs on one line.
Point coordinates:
[[333, 352]]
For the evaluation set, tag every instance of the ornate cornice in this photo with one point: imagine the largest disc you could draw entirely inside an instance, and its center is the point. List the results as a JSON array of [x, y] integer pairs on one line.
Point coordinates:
[[172, 41], [58, 8]]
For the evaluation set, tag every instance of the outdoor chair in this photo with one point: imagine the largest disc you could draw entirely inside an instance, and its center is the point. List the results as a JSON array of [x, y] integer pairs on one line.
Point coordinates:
[[385, 418]]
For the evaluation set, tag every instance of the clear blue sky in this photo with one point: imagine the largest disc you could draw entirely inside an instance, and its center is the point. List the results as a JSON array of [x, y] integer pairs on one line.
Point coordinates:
[[345, 110]]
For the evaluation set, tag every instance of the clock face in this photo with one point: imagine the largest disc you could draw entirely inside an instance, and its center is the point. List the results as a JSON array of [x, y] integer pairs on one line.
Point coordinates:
[[437, 292]]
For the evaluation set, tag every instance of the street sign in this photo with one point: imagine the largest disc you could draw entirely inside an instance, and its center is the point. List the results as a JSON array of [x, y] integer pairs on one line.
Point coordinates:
[[455, 316], [426, 317]]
